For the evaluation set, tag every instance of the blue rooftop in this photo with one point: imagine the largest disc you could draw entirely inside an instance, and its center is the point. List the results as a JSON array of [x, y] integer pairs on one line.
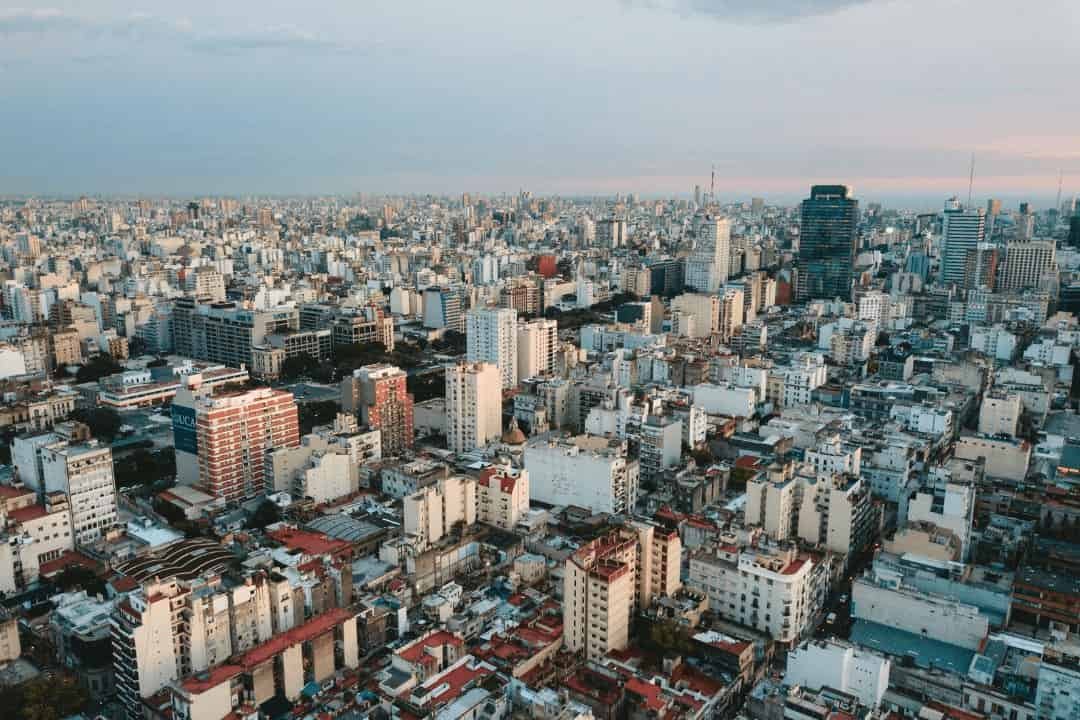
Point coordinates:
[[924, 652]]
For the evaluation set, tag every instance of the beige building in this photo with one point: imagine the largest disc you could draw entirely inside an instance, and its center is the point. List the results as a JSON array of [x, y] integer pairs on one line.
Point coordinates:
[[1000, 413], [502, 496], [10, 649], [537, 342], [775, 590], [433, 511], [730, 320], [608, 580], [66, 347], [473, 405], [705, 310]]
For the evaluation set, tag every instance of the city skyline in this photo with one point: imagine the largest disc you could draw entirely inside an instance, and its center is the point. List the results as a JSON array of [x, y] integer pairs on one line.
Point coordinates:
[[617, 96]]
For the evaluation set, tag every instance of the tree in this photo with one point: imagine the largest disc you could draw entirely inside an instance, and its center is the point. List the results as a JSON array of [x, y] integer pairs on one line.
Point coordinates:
[[97, 367], [78, 577], [43, 698], [265, 514], [104, 422], [311, 414], [298, 366]]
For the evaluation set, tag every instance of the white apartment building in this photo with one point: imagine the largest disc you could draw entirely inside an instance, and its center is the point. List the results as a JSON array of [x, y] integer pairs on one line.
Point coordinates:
[[1058, 693], [431, 512], [502, 496], [492, 337], [146, 640], [587, 471], [31, 533], [776, 591], [945, 504], [793, 385], [83, 472], [841, 666], [537, 343], [473, 405], [726, 399], [994, 341], [833, 456], [831, 511], [707, 268]]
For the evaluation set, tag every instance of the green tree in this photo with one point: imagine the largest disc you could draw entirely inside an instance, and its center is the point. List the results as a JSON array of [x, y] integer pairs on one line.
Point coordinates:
[[104, 422], [96, 368], [45, 699], [78, 577], [321, 412], [299, 366], [265, 514]]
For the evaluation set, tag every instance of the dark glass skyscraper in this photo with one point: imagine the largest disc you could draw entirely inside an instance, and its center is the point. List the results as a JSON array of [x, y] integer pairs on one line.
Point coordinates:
[[827, 242]]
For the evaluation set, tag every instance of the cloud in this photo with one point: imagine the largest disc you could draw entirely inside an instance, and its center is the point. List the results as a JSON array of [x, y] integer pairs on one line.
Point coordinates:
[[750, 11], [270, 38], [22, 20], [142, 27]]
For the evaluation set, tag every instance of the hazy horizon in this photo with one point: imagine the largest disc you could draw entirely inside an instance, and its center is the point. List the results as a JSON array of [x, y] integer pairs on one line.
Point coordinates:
[[613, 96]]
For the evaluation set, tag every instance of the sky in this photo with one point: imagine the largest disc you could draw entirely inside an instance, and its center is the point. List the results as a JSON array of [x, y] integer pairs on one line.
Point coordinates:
[[557, 96]]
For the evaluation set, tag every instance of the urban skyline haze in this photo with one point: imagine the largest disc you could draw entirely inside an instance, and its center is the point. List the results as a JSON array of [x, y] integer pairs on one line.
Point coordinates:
[[633, 96]]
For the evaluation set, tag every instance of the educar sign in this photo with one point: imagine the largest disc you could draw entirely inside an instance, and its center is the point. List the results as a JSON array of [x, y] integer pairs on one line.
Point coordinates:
[[184, 436]]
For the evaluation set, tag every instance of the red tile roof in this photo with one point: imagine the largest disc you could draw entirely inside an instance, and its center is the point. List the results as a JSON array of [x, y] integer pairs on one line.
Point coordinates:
[[26, 514], [201, 682], [308, 631], [68, 558], [308, 541]]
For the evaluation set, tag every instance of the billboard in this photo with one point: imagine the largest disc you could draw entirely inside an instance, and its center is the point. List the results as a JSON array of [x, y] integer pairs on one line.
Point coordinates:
[[184, 436]]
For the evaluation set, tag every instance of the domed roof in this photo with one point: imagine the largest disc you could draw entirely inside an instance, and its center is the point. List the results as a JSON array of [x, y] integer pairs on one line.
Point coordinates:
[[513, 434]]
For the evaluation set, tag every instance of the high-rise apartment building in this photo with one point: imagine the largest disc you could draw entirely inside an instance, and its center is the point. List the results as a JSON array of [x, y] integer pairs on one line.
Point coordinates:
[[146, 642], [492, 337], [84, 472], [962, 230], [608, 580], [379, 395], [730, 319], [222, 440], [1026, 263], [829, 220], [443, 308], [432, 511], [224, 333], [611, 233], [707, 268], [705, 309], [205, 283], [473, 405], [537, 343]]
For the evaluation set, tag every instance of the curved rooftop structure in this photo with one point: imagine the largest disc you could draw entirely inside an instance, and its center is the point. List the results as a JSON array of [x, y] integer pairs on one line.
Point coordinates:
[[186, 560]]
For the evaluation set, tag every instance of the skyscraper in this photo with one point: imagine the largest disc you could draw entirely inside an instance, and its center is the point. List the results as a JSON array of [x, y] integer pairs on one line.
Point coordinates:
[[829, 219], [491, 336], [473, 406], [707, 267], [962, 229]]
